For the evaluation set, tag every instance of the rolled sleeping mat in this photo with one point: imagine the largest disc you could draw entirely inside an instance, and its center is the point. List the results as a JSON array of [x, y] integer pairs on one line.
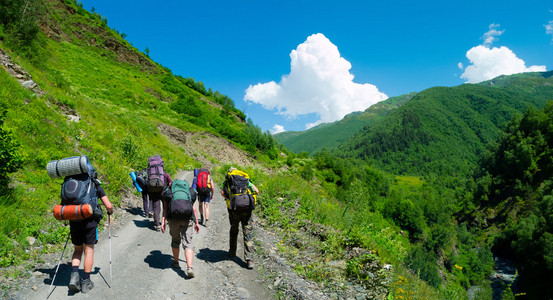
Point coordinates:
[[68, 166], [133, 177], [72, 212]]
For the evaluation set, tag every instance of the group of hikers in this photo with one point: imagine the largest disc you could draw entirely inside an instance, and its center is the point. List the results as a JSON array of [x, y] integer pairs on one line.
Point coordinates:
[[82, 191]]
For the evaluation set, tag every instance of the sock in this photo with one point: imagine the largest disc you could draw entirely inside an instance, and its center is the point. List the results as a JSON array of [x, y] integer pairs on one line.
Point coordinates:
[[74, 268], [86, 275]]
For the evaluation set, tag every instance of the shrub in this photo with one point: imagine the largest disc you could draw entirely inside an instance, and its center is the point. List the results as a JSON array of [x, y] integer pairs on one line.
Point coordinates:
[[11, 158]]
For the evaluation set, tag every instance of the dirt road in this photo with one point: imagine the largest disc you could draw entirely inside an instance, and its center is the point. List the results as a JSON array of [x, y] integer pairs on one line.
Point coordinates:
[[141, 264]]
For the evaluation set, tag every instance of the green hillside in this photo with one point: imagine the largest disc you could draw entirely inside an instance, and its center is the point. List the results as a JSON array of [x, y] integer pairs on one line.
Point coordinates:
[[330, 135], [442, 131], [72, 86]]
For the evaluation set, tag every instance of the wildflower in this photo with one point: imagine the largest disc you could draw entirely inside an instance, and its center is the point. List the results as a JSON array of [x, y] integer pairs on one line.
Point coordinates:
[[458, 267]]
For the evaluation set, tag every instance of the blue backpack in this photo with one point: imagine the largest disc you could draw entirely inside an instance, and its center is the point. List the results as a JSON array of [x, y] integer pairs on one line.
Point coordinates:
[[82, 189]]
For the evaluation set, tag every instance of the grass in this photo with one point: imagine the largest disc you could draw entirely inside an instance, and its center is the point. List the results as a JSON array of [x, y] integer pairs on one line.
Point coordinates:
[[295, 207]]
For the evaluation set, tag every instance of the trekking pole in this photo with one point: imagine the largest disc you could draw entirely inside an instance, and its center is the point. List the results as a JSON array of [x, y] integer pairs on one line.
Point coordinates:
[[109, 232], [57, 268]]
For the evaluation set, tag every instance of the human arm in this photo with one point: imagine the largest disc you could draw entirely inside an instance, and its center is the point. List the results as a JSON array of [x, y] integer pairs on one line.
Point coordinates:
[[212, 188], [196, 224], [107, 204], [224, 191], [168, 179], [253, 188], [104, 198]]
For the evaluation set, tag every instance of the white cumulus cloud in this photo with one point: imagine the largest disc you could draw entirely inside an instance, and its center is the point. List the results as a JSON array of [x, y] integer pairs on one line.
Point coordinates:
[[487, 62], [277, 129], [319, 82]]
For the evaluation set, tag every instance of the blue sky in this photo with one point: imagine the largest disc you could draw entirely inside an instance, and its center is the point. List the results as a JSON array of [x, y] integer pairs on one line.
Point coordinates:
[[290, 65]]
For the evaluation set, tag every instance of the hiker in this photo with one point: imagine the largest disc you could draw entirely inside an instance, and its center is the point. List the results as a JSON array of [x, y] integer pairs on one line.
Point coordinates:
[[204, 187], [180, 213], [239, 193], [80, 192], [84, 235], [158, 180]]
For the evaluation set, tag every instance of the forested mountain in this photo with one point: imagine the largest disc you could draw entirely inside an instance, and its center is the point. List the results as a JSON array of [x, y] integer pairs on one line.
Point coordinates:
[[445, 130], [512, 196], [331, 135]]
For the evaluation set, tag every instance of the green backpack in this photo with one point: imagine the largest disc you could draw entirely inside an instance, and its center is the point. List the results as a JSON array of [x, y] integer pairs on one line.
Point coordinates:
[[179, 199]]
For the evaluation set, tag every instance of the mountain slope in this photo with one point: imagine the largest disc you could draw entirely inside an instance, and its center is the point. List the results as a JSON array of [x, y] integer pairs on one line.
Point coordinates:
[[330, 135], [78, 88], [442, 130]]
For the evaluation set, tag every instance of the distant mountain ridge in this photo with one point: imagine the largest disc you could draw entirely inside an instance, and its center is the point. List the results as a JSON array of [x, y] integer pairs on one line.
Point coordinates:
[[331, 135], [444, 130]]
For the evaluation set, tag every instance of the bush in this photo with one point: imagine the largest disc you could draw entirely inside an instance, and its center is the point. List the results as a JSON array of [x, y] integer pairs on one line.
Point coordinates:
[[423, 263], [11, 158]]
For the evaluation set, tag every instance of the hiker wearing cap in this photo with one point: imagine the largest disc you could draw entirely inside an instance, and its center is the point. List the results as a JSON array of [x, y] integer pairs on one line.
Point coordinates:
[[240, 194], [180, 213]]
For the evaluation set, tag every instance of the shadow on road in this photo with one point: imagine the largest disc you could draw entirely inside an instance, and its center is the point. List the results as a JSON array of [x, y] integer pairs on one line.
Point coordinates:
[[63, 276], [158, 260], [146, 223], [212, 256], [135, 211], [215, 256]]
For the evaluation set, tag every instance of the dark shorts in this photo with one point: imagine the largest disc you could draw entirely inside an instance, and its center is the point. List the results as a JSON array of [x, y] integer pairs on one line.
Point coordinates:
[[84, 232], [204, 198]]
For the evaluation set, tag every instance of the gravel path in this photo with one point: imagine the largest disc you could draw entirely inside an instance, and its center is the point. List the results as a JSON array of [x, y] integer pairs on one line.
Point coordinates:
[[141, 264]]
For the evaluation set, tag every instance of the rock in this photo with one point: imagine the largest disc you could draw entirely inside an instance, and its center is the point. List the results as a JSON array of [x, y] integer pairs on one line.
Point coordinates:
[[277, 282], [27, 84], [340, 264], [72, 118], [31, 240], [242, 293], [35, 288]]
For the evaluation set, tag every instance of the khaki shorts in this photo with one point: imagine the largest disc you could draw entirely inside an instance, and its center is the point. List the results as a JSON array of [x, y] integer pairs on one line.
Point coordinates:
[[181, 232]]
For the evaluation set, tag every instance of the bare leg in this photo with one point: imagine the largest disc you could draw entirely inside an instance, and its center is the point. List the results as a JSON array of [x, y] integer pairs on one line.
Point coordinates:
[[77, 255], [206, 210], [88, 258], [188, 254], [175, 254]]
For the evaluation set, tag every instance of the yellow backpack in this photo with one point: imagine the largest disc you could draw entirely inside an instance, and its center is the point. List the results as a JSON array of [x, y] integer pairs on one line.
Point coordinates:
[[240, 196]]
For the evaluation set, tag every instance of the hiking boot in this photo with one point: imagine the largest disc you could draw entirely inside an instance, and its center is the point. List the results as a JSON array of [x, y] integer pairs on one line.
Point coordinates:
[[75, 282], [150, 215], [157, 227], [190, 272], [205, 222], [175, 265], [250, 264], [86, 285]]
